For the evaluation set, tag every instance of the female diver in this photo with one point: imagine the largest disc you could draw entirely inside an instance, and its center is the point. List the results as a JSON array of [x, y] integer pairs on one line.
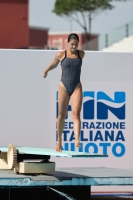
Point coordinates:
[[70, 87]]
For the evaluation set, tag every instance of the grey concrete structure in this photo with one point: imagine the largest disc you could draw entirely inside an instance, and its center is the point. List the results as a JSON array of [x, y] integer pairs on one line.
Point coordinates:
[[69, 180], [70, 176]]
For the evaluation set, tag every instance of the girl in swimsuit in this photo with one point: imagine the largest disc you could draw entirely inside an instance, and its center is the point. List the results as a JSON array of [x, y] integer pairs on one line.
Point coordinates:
[[69, 86]]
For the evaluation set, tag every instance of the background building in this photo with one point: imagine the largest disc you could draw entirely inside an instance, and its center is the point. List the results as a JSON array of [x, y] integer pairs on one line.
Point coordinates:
[[15, 32], [38, 37], [14, 29], [58, 40]]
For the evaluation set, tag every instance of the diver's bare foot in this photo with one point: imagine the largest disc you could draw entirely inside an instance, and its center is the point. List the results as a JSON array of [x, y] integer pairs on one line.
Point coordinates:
[[59, 147], [77, 141], [77, 144]]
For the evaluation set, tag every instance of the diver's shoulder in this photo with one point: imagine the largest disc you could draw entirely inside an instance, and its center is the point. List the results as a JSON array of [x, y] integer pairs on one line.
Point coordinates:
[[81, 53], [60, 55]]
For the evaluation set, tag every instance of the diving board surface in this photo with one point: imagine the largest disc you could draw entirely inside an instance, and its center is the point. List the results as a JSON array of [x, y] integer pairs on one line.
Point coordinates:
[[52, 152]]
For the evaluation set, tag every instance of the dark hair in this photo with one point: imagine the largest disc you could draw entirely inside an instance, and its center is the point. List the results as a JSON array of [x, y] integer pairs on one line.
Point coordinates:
[[73, 36]]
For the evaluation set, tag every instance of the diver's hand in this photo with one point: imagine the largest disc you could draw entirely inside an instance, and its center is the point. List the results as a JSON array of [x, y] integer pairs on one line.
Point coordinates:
[[45, 74]]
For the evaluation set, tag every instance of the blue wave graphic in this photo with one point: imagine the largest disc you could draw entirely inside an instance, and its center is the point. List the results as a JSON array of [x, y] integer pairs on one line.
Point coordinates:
[[119, 97], [88, 94], [102, 111]]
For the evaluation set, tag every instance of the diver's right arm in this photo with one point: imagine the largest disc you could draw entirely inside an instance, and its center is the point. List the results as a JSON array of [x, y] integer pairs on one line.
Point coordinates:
[[53, 65]]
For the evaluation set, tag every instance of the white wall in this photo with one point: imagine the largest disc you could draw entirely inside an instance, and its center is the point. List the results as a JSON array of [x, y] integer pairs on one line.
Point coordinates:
[[27, 101]]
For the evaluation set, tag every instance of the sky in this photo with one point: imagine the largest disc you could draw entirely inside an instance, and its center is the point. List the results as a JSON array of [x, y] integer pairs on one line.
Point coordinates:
[[41, 15]]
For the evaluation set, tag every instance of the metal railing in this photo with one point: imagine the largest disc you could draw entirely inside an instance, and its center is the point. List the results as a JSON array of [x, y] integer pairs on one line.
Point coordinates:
[[114, 36]]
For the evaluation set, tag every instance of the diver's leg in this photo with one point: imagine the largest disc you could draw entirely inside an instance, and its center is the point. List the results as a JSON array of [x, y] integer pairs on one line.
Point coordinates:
[[63, 100], [76, 103]]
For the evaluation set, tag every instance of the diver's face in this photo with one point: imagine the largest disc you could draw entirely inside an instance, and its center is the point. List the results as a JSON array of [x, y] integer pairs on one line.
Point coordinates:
[[73, 45]]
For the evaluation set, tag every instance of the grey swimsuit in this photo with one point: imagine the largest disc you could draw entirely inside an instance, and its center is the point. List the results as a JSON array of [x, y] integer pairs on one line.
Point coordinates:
[[71, 69]]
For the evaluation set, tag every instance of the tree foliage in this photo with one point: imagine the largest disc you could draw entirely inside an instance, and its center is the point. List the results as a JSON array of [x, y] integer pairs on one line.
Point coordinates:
[[87, 8], [67, 7]]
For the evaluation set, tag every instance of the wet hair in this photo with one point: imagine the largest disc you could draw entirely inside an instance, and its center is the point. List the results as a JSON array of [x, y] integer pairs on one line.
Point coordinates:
[[73, 36]]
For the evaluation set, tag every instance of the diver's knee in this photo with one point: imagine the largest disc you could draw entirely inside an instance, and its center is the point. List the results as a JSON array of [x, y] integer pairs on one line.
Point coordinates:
[[61, 116]]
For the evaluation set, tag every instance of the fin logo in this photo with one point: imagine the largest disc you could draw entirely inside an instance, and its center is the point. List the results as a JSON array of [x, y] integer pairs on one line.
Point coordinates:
[[96, 105], [103, 105]]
